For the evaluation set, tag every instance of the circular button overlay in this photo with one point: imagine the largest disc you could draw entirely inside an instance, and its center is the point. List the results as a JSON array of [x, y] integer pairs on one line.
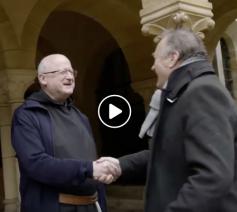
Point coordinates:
[[114, 111]]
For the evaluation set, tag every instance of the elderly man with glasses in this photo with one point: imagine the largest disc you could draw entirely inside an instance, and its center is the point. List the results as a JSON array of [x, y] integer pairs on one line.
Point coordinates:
[[55, 147]]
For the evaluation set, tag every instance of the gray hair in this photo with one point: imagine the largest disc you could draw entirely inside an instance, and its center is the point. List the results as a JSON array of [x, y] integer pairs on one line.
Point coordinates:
[[186, 42]]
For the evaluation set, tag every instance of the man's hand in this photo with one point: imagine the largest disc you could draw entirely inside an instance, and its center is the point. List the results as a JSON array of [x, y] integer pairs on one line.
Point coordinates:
[[106, 169]]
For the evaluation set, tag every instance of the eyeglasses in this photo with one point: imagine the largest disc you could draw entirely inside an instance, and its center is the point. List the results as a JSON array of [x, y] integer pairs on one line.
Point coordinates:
[[63, 72]]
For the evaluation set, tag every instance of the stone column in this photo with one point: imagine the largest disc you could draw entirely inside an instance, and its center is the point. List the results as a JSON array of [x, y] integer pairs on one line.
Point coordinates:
[[8, 154], [158, 15], [12, 90], [145, 88], [9, 163], [18, 81]]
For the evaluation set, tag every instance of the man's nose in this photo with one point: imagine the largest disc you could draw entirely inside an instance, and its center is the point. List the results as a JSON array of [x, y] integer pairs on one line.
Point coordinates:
[[153, 68], [69, 75]]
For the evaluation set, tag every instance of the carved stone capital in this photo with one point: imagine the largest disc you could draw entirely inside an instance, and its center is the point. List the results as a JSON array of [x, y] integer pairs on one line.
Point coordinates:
[[159, 15]]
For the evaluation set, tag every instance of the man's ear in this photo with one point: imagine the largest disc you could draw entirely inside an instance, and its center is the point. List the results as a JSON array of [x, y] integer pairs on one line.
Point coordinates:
[[42, 79], [174, 57]]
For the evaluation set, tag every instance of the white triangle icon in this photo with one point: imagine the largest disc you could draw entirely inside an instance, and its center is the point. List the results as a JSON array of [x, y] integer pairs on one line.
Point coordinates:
[[113, 111]]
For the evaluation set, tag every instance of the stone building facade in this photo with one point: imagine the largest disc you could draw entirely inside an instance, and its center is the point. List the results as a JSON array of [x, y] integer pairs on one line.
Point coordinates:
[[108, 42]]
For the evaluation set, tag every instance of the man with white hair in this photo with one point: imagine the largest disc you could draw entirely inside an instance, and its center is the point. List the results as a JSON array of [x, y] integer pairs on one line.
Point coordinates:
[[55, 147]]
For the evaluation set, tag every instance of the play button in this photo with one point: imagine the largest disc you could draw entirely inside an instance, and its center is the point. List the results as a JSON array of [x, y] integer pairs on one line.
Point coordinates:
[[114, 111]]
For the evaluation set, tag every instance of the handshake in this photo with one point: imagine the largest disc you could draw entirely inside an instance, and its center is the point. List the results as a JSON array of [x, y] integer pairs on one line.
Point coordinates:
[[106, 170]]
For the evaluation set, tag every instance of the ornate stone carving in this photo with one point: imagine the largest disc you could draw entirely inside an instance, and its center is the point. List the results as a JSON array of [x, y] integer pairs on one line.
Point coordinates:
[[160, 15]]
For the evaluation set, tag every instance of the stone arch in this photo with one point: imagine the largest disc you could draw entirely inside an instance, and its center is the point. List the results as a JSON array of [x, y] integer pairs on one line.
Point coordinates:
[[123, 25], [8, 40], [87, 52], [222, 20], [8, 44]]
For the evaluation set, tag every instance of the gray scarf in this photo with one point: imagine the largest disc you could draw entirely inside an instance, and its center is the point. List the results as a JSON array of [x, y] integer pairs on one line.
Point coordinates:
[[148, 126]]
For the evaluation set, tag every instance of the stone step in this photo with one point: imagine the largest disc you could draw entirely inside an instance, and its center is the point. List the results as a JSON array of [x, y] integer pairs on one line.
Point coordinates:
[[125, 198], [124, 205]]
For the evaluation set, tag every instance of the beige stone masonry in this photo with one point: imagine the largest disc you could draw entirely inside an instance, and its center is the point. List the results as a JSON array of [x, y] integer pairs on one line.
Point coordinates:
[[158, 15], [10, 181], [18, 81], [13, 83], [145, 88]]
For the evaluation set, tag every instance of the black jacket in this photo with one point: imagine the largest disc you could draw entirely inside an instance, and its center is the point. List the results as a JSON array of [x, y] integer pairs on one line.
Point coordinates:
[[42, 174], [192, 162]]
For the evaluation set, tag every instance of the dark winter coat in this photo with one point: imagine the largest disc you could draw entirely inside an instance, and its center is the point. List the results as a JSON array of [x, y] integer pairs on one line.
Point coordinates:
[[192, 162], [41, 174]]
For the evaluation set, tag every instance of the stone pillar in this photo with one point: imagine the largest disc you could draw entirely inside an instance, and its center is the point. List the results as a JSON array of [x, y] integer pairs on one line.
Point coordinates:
[[145, 88], [12, 90], [18, 81], [8, 154], [9, 164], [158, 15]]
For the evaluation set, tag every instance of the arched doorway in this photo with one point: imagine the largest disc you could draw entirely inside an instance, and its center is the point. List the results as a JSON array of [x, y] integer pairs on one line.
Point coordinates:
[[115, 79], [93, 52]]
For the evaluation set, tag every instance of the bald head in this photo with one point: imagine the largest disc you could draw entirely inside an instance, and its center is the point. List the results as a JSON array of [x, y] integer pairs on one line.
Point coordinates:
[[53, 62], [56, 77]]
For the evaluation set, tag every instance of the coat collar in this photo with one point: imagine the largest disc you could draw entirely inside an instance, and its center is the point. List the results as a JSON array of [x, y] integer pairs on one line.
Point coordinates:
[[38, 99], [182, 76]]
